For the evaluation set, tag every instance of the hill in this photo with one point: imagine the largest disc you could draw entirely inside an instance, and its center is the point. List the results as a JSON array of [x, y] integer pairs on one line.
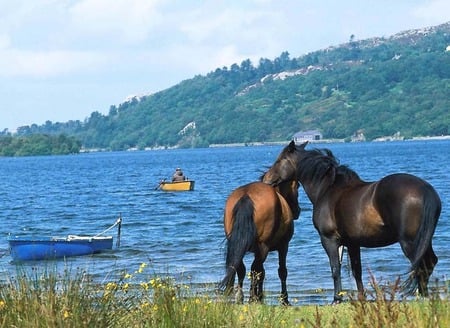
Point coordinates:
[[376, 87]]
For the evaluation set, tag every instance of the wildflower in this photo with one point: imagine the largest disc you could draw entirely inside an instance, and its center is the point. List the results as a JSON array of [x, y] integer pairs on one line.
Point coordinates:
[[197, 301], [127, 276], [111, 286], [2, 304], [66, 314], [125, 286], [141, 267], [145, 285]]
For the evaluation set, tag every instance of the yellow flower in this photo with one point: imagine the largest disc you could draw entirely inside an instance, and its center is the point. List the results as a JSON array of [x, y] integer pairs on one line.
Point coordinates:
[[66, 314], [141, 267], [144, 285], [197, 301], [2, 304], [127, 276], [342, 293], [111, 286]]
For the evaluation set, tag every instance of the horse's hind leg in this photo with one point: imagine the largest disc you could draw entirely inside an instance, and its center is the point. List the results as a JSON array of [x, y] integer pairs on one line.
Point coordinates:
[[282, 274], [257, 277], [425, 270], [422, 275], [240, 270]]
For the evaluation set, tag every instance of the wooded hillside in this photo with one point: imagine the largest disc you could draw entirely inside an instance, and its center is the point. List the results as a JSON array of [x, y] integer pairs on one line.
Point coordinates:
[[377, 86]]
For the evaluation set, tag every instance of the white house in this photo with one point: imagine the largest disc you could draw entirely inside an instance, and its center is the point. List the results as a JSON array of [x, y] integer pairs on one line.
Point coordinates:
[[310, 135]]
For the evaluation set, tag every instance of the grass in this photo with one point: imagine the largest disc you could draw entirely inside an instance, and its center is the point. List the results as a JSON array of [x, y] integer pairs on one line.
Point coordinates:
[[45, 298]]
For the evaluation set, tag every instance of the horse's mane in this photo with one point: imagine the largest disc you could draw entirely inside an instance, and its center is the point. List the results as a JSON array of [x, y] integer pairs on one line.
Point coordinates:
[[315, 164], [346, 175]]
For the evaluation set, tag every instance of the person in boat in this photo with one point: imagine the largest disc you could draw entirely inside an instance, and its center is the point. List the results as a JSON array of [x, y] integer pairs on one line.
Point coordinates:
[[178, 175]]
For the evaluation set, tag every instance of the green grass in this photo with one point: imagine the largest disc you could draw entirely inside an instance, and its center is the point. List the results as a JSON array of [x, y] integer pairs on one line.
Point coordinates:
[[50, 299]]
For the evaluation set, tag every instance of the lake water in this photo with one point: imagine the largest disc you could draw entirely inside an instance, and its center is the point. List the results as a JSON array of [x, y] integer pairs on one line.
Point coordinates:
[[181, 234]]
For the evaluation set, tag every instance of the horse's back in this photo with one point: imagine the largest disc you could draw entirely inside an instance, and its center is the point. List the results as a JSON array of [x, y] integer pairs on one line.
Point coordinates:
[[259, 193], [406, 188], [271, 212], [403, 200]]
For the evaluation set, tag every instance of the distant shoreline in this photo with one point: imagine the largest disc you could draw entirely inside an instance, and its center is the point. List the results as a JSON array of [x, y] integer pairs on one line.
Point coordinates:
[[278, 143]]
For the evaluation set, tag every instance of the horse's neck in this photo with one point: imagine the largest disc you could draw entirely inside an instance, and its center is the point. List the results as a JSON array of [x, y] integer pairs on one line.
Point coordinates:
[[316, 191], [292, 200]]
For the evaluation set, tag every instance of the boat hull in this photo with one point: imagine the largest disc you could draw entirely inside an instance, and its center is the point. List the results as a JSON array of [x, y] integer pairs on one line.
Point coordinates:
[[187, 185], [26, 249]]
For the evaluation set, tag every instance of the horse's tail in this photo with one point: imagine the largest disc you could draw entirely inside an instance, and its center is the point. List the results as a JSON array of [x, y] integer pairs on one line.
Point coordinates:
[[241, 239], [430, 214]]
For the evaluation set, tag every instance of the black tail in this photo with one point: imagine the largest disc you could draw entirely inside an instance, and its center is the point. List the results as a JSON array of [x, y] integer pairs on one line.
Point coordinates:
[[430, 214], [240, 240]]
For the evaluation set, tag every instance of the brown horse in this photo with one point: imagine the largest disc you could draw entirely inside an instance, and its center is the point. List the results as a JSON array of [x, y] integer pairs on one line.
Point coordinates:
[[258, 218], [348, 211]]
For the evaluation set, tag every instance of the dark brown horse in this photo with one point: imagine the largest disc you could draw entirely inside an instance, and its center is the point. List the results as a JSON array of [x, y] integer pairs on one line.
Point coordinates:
[[348, 211], [258, 218]]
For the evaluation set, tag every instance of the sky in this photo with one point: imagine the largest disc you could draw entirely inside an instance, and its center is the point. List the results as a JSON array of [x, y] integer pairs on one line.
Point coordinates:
[[61, 60]]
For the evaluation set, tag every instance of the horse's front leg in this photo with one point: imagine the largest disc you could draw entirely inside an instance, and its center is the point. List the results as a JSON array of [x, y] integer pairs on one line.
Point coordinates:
[[282, 274], [354, 252], [331, 245]]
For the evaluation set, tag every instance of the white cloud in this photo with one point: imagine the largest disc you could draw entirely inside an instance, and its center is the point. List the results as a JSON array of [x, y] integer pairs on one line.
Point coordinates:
[[434, 11], [45, 64], [128, 21]]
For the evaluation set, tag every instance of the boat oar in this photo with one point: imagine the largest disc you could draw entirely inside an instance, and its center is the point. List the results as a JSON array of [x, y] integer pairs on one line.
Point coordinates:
[[159, 185]]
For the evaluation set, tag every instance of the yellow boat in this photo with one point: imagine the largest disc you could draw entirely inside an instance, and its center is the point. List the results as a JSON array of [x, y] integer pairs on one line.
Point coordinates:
[[185, 185]]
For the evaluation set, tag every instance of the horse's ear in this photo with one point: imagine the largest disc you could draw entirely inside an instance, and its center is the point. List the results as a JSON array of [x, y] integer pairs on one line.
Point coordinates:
[[291, 146], [303, 145]]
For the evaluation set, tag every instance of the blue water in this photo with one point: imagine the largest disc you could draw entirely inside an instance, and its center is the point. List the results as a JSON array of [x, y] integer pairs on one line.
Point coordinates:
[[181, 234]]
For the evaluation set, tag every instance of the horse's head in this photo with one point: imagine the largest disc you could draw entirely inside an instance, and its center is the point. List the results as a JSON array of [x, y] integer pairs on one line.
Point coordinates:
[[285, 166]]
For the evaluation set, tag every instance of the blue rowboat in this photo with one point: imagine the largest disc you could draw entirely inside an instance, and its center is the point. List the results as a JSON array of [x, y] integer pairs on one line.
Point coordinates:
[[48, 248]]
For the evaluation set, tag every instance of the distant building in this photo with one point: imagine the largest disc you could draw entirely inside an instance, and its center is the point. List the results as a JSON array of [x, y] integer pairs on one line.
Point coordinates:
[[310, 135], [358, 136]]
